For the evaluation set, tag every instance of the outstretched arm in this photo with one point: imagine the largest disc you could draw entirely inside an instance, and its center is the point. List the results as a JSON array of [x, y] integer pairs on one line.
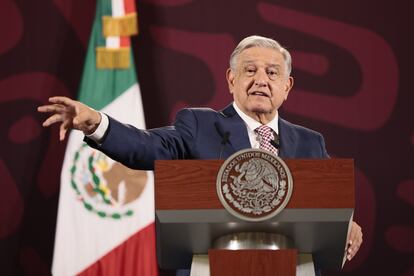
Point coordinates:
[[71, 115]]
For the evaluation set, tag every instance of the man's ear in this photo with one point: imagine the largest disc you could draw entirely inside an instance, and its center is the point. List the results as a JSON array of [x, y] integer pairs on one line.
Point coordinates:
[[230, 79], [288, 87]]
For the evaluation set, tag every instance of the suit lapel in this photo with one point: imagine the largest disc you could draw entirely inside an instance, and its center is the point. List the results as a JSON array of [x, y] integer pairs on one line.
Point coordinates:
[[239, 139], [232, 123], [287, 149]]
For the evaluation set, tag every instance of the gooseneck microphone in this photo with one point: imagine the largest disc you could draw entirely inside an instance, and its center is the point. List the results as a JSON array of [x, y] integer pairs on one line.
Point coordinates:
[[225, 137]]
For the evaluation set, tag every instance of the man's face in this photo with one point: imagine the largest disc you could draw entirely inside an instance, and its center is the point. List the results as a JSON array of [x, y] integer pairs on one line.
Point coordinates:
[[260, 82]]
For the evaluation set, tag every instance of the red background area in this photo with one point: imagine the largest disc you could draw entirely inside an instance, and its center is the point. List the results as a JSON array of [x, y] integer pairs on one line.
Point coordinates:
[[352, 66]]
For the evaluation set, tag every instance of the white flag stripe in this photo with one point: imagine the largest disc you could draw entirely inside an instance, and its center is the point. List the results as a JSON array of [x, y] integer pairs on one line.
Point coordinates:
[[125, 112], [118, 8], [113, 42]]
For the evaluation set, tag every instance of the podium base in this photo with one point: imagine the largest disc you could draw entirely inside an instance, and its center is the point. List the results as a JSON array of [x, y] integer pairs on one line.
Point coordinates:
[[200, 265]]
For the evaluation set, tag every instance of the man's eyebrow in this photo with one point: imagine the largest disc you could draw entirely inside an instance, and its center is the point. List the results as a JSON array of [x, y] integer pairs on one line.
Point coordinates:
[[273, 65]]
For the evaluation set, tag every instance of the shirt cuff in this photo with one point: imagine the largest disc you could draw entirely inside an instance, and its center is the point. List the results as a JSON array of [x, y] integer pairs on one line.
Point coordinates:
[[101, 130]]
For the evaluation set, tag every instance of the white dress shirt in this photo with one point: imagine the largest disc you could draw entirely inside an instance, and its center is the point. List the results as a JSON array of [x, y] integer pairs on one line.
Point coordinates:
[[101, 129], [252, 124]]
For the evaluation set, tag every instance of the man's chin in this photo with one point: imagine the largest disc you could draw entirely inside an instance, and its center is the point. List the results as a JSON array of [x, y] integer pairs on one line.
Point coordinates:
[[261, 110]]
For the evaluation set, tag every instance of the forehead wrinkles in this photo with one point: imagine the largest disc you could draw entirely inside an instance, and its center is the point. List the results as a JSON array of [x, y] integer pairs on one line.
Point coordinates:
[[255, 62]]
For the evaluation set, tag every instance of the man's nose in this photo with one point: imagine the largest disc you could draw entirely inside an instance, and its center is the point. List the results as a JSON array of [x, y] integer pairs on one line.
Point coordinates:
[[260, 78]]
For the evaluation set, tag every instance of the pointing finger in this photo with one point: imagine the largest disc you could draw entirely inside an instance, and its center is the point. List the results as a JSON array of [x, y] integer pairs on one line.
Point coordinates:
[[63, 129], [51, 108], [63, 100], [53, 119]]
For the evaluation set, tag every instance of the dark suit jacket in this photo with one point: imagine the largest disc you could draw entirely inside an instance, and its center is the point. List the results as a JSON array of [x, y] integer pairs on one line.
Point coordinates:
[[199, 133]]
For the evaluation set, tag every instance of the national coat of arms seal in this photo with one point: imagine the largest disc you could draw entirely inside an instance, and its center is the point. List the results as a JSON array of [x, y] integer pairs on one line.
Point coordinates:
[[254, 184], [105, 187]]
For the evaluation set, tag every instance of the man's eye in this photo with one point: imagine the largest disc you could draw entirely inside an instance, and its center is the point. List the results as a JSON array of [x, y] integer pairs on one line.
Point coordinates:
[[272, 73]]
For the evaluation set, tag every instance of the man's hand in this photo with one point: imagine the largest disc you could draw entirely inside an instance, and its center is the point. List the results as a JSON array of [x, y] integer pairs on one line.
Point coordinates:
[[70, 114], [354, 241]]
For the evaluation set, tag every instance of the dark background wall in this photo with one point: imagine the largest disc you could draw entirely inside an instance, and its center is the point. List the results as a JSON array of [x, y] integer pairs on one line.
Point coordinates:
[[352, 66]]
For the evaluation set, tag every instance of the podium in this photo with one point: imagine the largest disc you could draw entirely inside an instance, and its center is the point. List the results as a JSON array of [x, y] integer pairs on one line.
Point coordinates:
[[190, 217]]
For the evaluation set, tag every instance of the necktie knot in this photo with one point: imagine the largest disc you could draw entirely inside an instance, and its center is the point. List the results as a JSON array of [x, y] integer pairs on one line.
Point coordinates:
[[266, 135]]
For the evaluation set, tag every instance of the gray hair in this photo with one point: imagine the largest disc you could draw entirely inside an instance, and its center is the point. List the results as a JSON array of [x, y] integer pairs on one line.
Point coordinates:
[[260, 41]]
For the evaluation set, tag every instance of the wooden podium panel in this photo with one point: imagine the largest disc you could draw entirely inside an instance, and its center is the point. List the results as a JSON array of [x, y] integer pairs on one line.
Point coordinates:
[[280, 262], [316, 184]]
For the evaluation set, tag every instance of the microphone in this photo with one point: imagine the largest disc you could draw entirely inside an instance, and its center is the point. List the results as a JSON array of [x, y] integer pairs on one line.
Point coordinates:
[[276, 141], [225, 137]]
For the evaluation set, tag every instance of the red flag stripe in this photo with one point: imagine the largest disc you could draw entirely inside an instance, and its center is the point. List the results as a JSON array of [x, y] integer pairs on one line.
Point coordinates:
[[129, 6], [125, 41], [136, 256]]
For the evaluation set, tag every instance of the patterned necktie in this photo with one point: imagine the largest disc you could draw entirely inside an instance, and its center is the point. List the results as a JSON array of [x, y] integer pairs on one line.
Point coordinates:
[[266, 135]]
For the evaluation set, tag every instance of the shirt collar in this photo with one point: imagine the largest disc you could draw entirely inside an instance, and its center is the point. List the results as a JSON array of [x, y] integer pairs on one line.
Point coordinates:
[[252, 124]]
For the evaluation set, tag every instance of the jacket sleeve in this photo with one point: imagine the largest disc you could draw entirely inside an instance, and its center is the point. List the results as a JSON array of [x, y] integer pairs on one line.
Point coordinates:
[[324, 152], [138, 148]]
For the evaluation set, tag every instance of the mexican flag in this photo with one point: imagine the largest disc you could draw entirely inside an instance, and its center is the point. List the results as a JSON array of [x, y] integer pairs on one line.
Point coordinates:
[[105, 220]]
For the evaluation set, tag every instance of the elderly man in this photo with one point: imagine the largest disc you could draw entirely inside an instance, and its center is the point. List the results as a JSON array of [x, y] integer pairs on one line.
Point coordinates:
[[259, 80]]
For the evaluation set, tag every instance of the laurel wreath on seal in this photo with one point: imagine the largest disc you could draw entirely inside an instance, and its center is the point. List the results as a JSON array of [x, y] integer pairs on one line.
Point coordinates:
[[98, 187]]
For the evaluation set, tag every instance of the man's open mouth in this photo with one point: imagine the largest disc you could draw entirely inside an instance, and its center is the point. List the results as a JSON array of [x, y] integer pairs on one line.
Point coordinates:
[[259, 93]]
